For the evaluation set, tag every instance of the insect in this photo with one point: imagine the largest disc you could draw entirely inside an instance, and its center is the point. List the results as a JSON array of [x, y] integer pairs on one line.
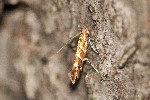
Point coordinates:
[[83, 42], [74, 74]]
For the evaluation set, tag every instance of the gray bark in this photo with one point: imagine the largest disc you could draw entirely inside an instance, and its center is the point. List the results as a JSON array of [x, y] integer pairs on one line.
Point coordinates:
[[32, 31]]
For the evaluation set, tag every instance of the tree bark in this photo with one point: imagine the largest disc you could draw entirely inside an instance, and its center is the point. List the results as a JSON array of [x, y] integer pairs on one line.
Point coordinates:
[[31, 33]]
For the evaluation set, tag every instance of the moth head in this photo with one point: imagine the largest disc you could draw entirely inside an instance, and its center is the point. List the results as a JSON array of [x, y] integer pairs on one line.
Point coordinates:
[[85, 31]]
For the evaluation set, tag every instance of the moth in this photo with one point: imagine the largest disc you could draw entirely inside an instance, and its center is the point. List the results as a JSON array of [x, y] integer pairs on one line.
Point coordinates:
[[83, 42], [77, 67]]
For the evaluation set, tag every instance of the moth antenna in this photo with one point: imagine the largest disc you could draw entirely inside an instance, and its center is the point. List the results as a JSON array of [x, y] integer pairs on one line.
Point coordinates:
[[61, 48], [69, 42]]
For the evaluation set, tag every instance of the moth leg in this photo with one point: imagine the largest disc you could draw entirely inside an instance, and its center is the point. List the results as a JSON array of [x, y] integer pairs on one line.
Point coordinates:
[[103, 77], [86, 59], [92, 47]]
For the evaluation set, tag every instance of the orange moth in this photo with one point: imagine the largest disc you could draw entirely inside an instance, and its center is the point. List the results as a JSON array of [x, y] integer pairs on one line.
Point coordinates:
[[83, 42], [75, 72]]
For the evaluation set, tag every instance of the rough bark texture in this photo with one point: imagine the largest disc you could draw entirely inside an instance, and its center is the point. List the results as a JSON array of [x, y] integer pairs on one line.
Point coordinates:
[[32, 31]]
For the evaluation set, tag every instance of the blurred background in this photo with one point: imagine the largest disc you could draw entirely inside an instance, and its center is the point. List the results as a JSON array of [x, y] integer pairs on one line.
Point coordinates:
[[32, 31]]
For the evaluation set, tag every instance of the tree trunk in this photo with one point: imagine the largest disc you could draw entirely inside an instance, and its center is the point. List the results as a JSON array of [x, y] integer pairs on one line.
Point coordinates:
[[32, 31]]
